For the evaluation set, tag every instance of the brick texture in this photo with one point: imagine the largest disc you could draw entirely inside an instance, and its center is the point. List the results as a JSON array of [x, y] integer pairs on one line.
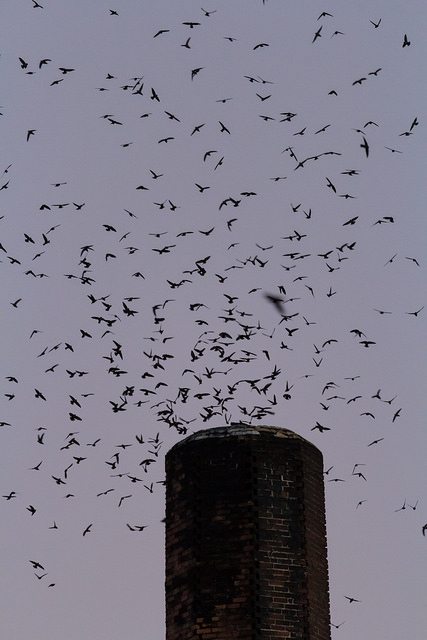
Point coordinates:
[[246, 555]]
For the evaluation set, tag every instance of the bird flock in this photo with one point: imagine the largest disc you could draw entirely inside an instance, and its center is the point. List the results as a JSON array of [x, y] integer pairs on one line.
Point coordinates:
[[192, 237]]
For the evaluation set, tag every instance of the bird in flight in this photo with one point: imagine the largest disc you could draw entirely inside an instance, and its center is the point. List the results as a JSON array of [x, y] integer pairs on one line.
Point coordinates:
[[351, 599], [365, 146], [317, 34], [320, 428]]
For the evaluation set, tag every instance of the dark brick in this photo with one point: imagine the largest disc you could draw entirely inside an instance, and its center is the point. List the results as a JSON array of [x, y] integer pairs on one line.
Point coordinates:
[[246, 555]]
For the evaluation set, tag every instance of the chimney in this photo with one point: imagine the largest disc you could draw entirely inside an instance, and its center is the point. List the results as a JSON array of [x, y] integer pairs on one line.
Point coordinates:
[[246, 555]]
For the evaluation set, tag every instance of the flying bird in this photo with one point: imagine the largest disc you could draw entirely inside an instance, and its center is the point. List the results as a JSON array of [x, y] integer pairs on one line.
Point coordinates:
[[365, 146], [351, 599], [194, 72], [317, 34]]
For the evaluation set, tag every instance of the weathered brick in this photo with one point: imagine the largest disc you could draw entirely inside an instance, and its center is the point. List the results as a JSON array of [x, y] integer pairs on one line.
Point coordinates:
[[245, 537]]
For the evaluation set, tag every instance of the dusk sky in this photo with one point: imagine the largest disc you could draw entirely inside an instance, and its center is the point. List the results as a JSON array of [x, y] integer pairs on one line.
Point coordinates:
[[208, 215]]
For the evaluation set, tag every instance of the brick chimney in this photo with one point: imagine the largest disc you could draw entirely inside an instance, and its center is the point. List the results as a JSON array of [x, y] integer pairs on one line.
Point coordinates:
[[246, 553]]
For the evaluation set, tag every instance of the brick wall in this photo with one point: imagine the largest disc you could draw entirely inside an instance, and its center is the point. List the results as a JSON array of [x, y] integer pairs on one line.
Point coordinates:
[[245, 537]]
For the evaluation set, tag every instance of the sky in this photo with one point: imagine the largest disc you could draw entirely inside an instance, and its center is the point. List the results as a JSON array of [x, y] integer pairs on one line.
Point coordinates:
[[208, 215]]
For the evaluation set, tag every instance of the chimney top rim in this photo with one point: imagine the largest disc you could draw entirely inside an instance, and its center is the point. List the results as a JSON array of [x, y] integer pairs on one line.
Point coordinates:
[[237, 429]]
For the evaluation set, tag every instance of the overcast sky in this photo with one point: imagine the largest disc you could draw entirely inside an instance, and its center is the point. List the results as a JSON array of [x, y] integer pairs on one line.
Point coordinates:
[[156, 151]]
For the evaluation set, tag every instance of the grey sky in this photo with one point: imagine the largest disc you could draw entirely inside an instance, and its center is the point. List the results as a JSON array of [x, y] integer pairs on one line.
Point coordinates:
[[110, 581]]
